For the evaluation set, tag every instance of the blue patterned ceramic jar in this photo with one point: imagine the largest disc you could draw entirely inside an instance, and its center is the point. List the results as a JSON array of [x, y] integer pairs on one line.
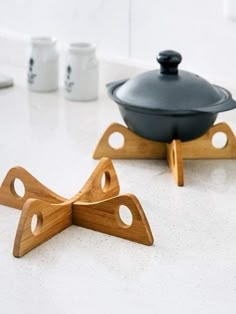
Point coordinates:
[[81, 72], [42, 72]]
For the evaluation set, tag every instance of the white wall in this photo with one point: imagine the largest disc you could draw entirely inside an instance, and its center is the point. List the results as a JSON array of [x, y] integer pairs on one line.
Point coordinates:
[[135, 29], [102, 21], [196, 28]]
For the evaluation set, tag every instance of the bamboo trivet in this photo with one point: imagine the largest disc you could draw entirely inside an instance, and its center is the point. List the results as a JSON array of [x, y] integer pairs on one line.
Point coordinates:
[[95, 207], [137, 147]]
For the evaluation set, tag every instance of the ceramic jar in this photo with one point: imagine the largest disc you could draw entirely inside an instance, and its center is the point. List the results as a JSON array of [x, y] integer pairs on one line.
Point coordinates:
[[81, 72], [42, 65]]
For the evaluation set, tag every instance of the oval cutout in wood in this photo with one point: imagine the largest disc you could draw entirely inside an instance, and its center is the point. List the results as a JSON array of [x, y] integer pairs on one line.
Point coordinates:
[[125, 216], [219, 140], [18, 188], [105, 181], [116, 140], [36, 223]]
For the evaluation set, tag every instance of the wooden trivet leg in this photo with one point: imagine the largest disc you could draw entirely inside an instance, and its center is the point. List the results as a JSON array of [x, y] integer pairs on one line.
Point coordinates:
[[203, 148], [51, 219], [102, 184], [104, 217], [175, 161], [33, 189], [134, 146]]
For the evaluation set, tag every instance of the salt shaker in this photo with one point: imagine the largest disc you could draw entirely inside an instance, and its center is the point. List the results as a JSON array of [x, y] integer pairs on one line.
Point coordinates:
[[81, 72], [43, 65]]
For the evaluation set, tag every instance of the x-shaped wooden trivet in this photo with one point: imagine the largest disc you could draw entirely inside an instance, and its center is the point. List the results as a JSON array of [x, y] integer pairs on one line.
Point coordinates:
[[95, 207], [137, 147]]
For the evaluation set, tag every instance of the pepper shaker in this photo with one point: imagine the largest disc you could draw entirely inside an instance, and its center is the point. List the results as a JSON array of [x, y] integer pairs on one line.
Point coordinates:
[[42, 65], [81, 72]]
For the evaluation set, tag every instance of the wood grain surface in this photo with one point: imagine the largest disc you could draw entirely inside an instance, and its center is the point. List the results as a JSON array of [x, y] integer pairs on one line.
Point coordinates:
[[95, 206], [137, 147]]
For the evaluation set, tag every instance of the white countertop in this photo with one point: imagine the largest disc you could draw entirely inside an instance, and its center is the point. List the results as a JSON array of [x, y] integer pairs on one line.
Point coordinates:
[[191, 268]]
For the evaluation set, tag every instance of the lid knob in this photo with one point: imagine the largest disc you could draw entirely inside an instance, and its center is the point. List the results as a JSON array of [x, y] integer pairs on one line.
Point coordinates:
[[169, 61]]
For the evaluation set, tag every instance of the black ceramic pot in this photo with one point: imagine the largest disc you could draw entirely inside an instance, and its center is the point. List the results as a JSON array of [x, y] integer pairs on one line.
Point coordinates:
[[168, 104]]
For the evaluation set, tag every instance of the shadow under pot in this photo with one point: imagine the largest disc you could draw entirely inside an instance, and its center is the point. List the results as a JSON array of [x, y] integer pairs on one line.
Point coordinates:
[[167, 104]]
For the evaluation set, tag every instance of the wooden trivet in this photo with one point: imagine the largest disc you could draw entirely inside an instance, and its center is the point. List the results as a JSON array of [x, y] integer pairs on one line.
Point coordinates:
[[137, 147], [95, 207]]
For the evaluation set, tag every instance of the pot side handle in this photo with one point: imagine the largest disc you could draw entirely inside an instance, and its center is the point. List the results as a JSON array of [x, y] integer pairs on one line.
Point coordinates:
[[113, 85]]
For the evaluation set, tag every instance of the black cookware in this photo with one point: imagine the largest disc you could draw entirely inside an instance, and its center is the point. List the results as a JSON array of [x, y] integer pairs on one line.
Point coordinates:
[[168, 104]]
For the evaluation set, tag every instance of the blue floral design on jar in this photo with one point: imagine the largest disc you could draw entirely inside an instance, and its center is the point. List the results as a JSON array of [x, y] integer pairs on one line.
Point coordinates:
[[68, 82], [31, 75]]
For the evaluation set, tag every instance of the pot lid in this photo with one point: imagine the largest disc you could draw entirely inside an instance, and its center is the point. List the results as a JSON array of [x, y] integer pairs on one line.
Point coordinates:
[[170, 89]]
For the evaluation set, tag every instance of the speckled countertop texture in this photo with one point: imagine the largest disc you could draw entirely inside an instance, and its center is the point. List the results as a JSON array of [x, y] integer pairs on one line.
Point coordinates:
[[191, 268]]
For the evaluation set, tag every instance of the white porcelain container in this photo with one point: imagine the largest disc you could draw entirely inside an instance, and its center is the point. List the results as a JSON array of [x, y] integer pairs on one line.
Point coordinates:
[[42, 65], [81, 72]]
